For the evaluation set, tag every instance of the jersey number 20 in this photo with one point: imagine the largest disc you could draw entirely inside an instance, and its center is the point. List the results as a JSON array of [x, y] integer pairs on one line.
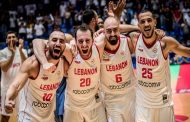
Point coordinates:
[[85, 82]]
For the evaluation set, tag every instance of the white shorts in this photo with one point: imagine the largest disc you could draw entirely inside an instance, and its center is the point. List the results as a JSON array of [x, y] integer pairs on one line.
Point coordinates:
[[144, 114], [120, 108], [94, 115]]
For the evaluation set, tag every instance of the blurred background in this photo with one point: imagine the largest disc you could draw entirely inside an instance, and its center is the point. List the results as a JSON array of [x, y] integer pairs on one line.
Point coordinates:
[[37, 19]]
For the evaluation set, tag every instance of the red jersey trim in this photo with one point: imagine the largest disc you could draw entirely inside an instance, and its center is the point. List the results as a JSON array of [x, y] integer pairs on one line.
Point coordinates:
[[148, 45], [137, 42]]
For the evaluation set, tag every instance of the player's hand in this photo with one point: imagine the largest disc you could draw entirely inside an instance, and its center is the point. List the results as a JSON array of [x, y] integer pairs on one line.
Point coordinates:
[[49, 67], [97, 33], [73, 47], [21, 43], [160, 33], [116, 10], [9, 105]]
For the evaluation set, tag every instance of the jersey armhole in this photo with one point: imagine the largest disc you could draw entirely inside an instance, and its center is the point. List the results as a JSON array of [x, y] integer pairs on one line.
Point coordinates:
[[136, 42], [162, 51], [127, 39]]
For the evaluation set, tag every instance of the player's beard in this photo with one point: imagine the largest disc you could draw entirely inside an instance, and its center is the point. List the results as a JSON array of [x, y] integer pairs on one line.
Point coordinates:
[[113, 40], [147, 37], [55, 56]]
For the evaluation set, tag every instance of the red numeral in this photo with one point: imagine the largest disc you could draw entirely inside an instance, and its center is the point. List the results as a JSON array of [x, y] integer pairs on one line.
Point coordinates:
[[85, 82], [47, 97], [147, 73], [118, 78]]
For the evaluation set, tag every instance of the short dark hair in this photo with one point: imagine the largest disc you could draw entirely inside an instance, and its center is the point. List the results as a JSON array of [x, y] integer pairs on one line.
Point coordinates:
[[144, 11], [11, 32], [83, 28], [88, 15]]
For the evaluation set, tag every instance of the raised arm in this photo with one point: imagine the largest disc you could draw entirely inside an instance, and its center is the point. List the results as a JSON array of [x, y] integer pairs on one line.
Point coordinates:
[[173, 45], [68, 53], [116, 10], [39, 46], [100, 43], [125, 28], [17, 84]]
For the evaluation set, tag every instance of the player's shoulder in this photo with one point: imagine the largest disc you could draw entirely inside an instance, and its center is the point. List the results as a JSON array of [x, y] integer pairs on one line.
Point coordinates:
[[169, 42], [31, 62], [167, 38], [125, 36], [122, 36], [4, 50], [134, 34]]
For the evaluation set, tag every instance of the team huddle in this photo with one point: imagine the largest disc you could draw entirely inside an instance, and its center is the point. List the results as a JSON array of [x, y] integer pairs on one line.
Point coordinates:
[[101, 83]]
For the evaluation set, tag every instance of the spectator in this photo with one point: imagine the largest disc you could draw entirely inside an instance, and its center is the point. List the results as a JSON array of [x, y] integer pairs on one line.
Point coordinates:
[[38, 29], [22, 28], [11, 58], [134, 21], [29, 33]]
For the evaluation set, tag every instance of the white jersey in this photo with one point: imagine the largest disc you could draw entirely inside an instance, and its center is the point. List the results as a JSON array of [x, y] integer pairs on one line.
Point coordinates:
[[7, 77], [153, 74], [117, 75], [83, 81], [38, 96]]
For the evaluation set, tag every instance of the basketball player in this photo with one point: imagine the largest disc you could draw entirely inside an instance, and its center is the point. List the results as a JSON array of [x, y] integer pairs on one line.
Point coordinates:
[[81, 103], [103, 74], [11, 58], [39, 52], [117, 76], [37, 102], [154, 94]]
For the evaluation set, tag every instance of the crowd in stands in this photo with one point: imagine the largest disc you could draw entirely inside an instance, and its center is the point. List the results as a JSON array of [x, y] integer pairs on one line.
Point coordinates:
[[37, 18]]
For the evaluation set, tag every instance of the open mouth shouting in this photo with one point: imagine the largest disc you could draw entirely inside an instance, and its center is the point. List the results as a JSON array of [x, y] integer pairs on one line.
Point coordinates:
[[147, 30], [84, 51], [57, 51]]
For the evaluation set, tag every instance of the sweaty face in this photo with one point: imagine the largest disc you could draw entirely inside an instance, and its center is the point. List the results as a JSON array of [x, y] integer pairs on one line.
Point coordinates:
[[12, 39], [147, 24], [84, 43], [111, 27], [56, 44]]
